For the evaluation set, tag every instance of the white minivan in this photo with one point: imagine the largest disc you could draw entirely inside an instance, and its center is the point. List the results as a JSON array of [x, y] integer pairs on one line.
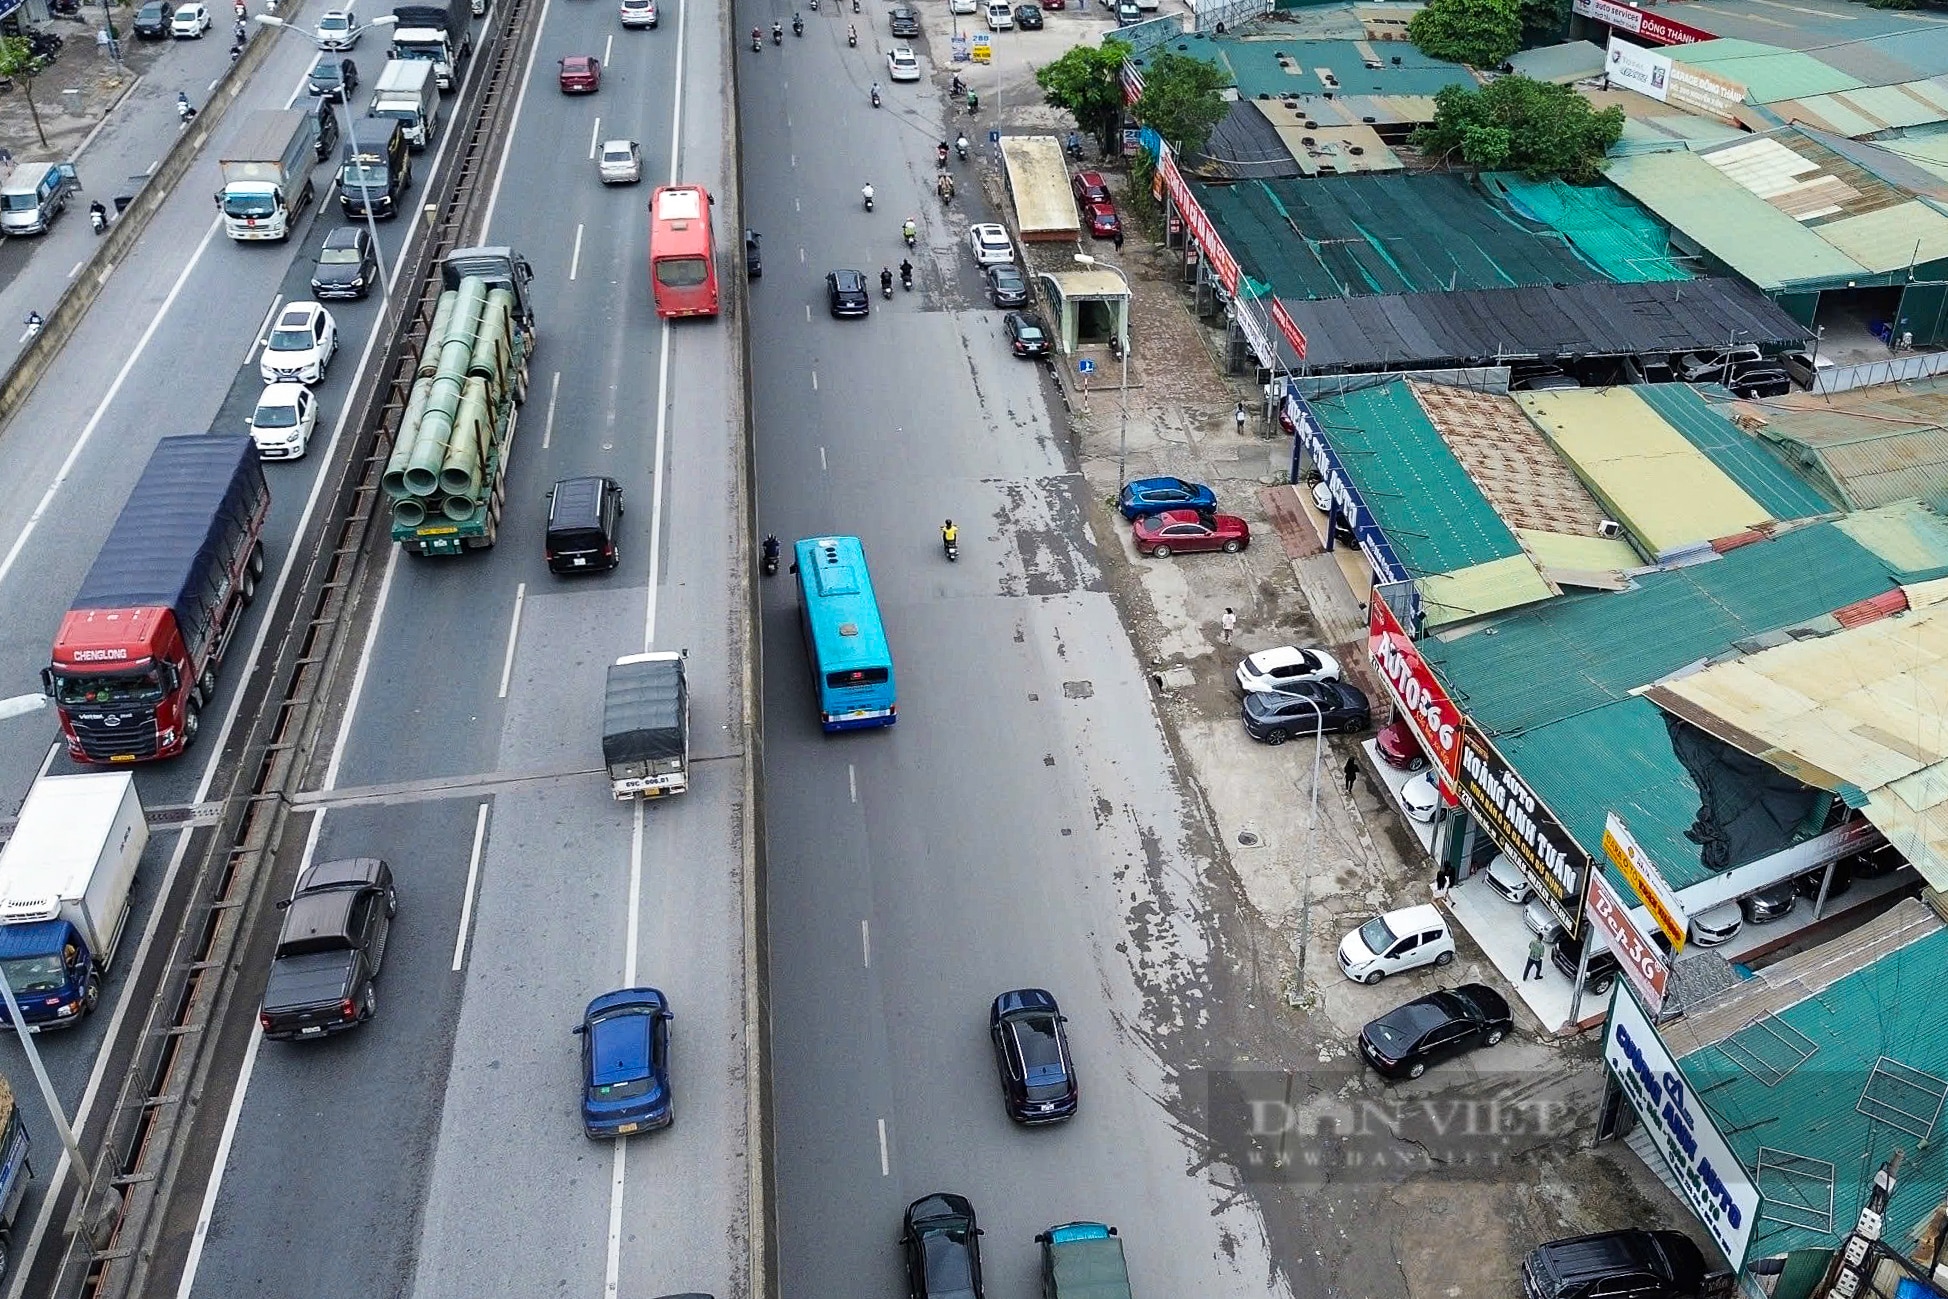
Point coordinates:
[[1399, 940]]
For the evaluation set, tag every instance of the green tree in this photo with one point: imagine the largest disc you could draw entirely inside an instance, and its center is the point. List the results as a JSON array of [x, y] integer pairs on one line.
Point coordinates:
[[1519, 124], [1180, 100], [19, 63], [1544, 22], [1479, 33], [1085, 82]]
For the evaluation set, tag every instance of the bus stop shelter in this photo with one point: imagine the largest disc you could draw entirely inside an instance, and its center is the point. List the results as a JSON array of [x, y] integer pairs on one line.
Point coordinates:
[[1090, 306]]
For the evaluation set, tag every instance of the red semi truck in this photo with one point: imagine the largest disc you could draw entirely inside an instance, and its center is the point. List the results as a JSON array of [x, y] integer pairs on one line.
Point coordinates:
[[136, 659]]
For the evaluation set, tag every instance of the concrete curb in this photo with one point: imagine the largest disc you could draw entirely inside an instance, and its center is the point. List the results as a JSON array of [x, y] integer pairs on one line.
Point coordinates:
[[25, 374]]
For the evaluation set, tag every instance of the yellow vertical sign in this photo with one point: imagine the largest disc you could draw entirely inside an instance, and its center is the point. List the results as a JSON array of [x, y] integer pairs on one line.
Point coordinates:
[[1645, 881]]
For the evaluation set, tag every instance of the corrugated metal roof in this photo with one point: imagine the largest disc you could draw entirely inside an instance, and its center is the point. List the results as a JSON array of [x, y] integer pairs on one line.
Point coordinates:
[[1864, 708], [1435, 517], [1481, 589], [1844, 1006], [1872, 108], [1560, 554], [1763, 244], [1666, 493], [1748, 461], [1893, 238], [1282, 65], [1582, 651], [1505, 456], [1908, 536], [1561, 64], [1866, 460], [1767, 72]]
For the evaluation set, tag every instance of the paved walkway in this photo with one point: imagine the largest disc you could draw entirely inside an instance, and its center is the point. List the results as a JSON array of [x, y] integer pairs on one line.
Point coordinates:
[[115, 127]]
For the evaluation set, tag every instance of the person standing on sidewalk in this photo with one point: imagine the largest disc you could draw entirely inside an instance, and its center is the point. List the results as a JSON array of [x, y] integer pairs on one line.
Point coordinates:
[[1240, 418], [1352, 775], [1227, 625], [1536, 952]]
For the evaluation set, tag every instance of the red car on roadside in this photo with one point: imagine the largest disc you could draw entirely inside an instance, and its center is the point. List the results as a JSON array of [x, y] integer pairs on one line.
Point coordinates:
[[1184, 531], [581, 74]]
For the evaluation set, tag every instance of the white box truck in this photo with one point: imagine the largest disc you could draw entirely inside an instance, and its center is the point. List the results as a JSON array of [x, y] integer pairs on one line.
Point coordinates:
[[267, 173], [408, 92], [65, 876]]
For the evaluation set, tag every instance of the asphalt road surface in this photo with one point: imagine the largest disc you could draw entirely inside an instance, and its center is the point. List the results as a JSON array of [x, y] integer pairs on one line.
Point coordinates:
[[1019, 826]]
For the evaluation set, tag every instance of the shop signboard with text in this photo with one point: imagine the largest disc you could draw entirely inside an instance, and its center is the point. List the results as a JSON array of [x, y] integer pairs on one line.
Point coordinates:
[[1636, 955], [1634, 864], [1632, 21], [1517, 819], [1223, 264], [1421, 698]]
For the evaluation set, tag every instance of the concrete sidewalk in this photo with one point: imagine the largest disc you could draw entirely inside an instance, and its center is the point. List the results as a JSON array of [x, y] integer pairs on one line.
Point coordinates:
[[115, 127]]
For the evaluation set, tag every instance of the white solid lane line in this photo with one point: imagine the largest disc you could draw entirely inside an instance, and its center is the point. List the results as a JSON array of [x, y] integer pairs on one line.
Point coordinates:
[[513, 636], [473, 880], [851, 772], [612, 1275], [608, 48], [866, 944], [594, 136], [548, 427], [575, 262], [885, 1165]]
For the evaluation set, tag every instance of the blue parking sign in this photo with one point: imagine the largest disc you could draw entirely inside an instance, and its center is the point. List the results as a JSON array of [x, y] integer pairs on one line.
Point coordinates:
[[1085, 366]]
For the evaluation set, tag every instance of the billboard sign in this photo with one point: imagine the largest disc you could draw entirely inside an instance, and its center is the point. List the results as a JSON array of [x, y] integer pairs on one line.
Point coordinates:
[[1524, 826], [1708, 1175], [1638, 957], [1631, 67], [1223, 264], [1632, 21], [1646, 880], [1288, 327], [1422, 699]]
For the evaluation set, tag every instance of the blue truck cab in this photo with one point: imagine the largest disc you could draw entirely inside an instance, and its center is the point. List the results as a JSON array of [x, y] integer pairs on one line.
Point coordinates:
[[52, 971]]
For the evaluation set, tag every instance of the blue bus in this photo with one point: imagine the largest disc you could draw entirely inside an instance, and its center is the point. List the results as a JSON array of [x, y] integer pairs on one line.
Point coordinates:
[[852, 668]]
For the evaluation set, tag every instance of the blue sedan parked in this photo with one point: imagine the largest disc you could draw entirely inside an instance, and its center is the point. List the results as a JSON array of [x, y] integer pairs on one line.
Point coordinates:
[[1155, 495], [626, 1063]]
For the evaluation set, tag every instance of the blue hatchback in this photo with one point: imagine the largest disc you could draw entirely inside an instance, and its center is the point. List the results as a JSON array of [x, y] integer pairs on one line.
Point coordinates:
[[626, 1063], [1155, 495]]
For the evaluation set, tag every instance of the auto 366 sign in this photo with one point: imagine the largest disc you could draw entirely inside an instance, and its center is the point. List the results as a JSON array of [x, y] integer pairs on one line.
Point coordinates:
[[1411, 682], [1524, 826]]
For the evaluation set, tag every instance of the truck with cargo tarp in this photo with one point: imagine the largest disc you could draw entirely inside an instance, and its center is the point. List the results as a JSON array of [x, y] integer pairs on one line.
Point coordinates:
[[434, 30], [447, 471], [646, 726], [136, 657], [267, 173], [65, 877], [1083, 1260]]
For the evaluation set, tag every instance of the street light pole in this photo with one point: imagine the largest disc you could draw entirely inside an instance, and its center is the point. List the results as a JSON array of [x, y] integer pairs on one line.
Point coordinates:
[[1123, 380], [1318, 750]]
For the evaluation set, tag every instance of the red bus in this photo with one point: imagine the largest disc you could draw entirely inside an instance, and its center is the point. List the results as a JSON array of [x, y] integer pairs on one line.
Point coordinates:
[[682, 263]]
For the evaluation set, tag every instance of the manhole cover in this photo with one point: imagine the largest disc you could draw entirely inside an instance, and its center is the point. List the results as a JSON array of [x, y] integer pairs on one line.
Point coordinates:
[[1248, 839]]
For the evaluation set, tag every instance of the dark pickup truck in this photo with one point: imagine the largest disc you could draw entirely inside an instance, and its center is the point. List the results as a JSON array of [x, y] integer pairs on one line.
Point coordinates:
[[329, 950]]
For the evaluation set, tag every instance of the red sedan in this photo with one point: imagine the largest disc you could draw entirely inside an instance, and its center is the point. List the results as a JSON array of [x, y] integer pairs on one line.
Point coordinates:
[[1162, 535], [581, 74], [1397, 745]]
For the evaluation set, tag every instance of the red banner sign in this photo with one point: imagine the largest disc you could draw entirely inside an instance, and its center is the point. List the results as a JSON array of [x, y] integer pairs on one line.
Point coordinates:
[[1422, 700], [1222, 263], [1289, 327], [1632, 21], [1642, 963]]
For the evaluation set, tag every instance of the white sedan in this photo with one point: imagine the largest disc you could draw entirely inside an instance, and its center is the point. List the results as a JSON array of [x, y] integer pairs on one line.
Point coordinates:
[[281, 425], [338, 29], [621, 162], [1421, 796], [990, 244], [189, 22], [1286, 666], [902, 64]]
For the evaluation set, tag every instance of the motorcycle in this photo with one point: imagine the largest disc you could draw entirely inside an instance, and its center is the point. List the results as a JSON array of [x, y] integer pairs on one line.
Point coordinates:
[[770, 564], [185, 111], [960, 144], [34, 323], [906, 277], [777, 33], [886, 285], [98, 216], [875, 96], [940, 157], [911, 233], [958, 88], [950, 544], [852, 37], [757, 40], [797, 25], [867, 194], [973, 103], [1075, 144]]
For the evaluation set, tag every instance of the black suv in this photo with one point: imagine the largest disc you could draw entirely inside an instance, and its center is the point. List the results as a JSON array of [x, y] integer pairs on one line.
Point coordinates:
[[905, 21], [152, 21], [943, 1248], [1632, 1264], [348, 266], [584, 516], [1567, 953], [845, 293], [333, 77], [1031, 1052]]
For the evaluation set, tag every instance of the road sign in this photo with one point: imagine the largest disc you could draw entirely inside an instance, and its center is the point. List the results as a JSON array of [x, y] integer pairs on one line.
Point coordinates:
[[994, 136], [1085, 366]]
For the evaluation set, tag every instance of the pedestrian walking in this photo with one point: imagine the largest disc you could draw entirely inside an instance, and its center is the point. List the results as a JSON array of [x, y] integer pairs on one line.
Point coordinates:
[[1352, 775], [1117, 238], [1536, 951], [1239, 417], [1227, 625]]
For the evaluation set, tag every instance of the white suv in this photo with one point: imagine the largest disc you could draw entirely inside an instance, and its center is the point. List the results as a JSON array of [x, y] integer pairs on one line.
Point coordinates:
[[1399, 940], [300, 346], [989, 243], [1000, 17]]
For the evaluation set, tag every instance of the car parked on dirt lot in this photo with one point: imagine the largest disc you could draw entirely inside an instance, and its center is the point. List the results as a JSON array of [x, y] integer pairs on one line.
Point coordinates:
[[1427, 1030], [189, 22], [1026, 334], [151, 21], [1303, 708], [1141, 496], [1031, 1053], [1395, 943], [1634, 1263], [1028, 18], [1189, 531], [1282, 666]]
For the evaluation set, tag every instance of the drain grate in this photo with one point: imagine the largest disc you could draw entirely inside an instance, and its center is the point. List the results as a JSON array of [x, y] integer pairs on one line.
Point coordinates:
[[1248, 839]]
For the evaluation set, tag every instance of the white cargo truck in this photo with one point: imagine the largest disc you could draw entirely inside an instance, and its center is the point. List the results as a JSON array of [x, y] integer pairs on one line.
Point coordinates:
[[267, 173], [408, 92]]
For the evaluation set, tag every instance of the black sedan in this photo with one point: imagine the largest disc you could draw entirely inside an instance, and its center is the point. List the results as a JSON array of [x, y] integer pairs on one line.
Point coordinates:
[[348, 265], [1025, 333], [943, 1248], [1305, 708], [846, 294], [332, 78], [1007, 286], [1405, 1040], [1028, 18], [904, 21], [152, 20], [1031, 1052]]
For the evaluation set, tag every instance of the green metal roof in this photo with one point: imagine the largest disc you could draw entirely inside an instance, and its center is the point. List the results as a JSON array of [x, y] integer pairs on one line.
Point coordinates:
[[1583, 651], [1281, 65], [1761, 243], [1767, 72], [1873, 109], [1751, 463], [1435, 517], [1887, 1010], [1353, 236], [1609, 230]]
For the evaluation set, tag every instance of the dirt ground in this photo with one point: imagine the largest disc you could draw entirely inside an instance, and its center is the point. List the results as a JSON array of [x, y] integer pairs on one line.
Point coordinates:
[[81, 66]]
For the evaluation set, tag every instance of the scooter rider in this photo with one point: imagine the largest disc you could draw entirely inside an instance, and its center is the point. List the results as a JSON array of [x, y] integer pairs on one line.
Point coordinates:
[[757, 40], [797, 25], [949, 537], [940, 155], [960, 143], [875, 94], [98, 216], [910, 231], [866, 192], [852, 35], [886, 280], [906, 274], [770, 554], [777, 33]]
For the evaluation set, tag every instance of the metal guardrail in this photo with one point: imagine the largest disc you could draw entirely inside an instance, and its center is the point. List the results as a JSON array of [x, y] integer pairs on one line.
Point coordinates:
[[116, 1219]]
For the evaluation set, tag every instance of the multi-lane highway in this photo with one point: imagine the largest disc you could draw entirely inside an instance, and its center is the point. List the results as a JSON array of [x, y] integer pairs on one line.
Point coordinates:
[[1020, 825]]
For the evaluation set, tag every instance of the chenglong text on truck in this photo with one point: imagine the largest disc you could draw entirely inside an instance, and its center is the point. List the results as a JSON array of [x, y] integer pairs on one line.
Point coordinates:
[[136, 657]]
